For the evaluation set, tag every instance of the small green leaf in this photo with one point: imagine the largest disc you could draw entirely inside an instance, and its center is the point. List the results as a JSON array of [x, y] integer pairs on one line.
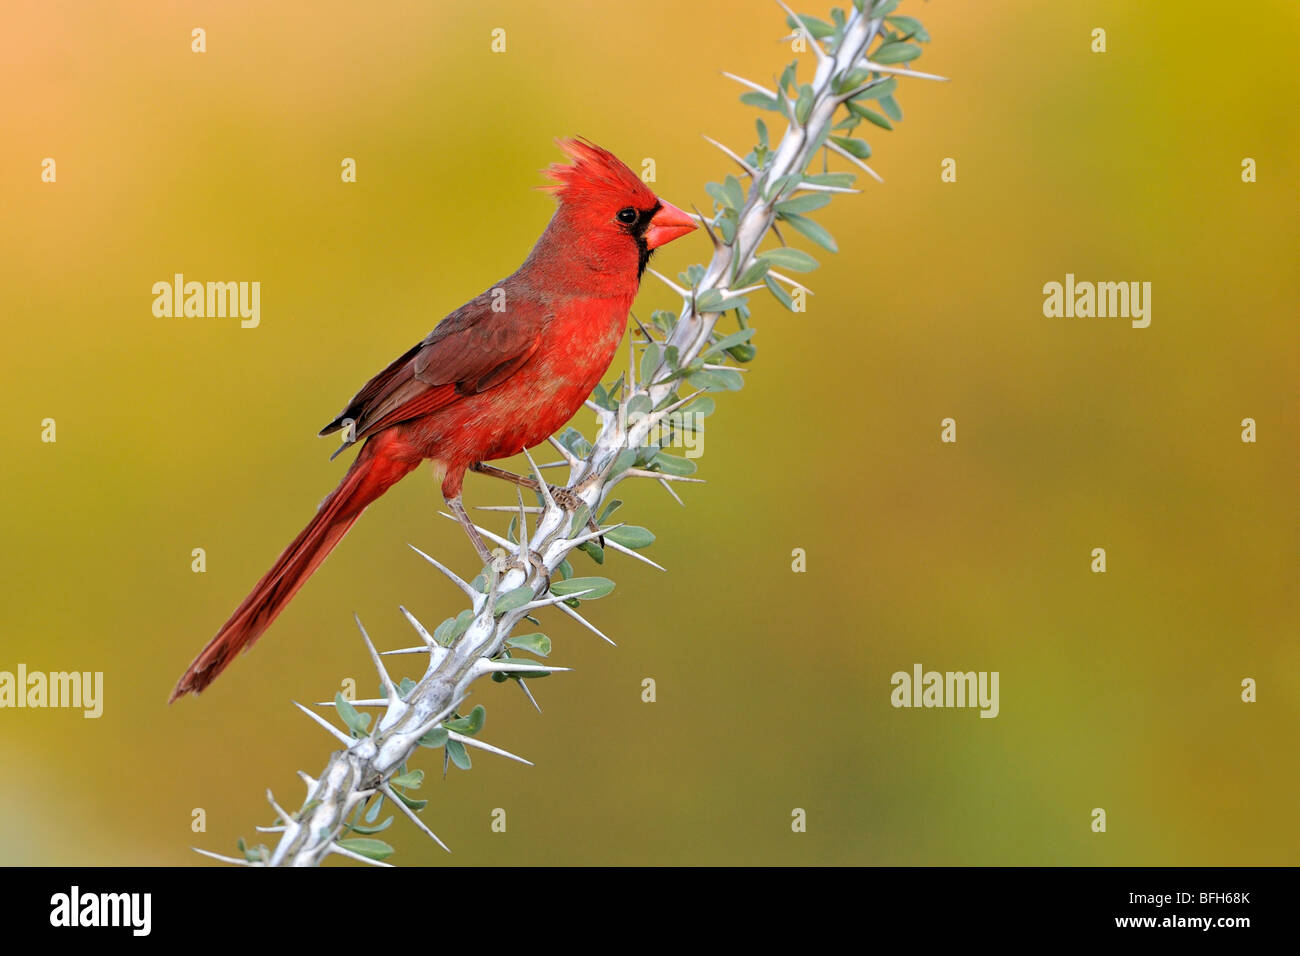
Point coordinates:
[[664, 320], [911, 27], [573, 440], [650, 360], [781, 295], [470, 724], [513, 599], [702, 407], [599, 587], [705, 301], [731, 185], [805, 203], [356, 722], [434, 738], [372, 849], [757, 269], [778, 186], [711, 300], [787, 258], [593, 550], [452, 628], [761, 100], [814, 231], [877, 90], [442, 632], [537, 643], [359, 828], [891, 108], [623, 462], [727, 341], [831, 179], [804, 104], [456, 751], [727, 227], [817, 28], [412, 779], [883, 8], [631, 536], [787, 76], [871, 116], [638, 405], [601, 397], [579, 521], [410, 801], [717, 380], [719, 194], [854, 147], [894, 52], [672, 465]]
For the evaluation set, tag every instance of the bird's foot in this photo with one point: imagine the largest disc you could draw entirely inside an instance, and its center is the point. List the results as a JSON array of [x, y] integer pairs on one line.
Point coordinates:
[[501, 562], [570, 502]]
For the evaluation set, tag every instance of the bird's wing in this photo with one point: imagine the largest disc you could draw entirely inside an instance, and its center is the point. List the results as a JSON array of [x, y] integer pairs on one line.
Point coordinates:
[[473, 349]]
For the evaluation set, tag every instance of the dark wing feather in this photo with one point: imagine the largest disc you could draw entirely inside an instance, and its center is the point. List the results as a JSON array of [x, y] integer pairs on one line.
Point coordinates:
[[469, 351]]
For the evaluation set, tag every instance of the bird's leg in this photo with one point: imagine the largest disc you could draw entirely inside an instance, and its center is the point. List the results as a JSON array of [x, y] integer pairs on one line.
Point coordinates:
[[497, 560], [563, 496], [475, 538]]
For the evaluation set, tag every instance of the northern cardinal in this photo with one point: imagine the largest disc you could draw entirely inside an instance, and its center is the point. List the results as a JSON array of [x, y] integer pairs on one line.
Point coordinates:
[[498, 375]]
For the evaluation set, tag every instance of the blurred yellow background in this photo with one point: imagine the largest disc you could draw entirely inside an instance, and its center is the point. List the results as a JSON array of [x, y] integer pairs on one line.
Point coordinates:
[[1118, 690]]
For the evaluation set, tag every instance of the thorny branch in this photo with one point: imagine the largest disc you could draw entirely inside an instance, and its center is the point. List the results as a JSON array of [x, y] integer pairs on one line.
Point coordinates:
[[372, 762]]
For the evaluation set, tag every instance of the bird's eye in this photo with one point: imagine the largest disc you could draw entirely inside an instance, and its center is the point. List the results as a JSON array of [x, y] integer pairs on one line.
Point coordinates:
[[627, 216]]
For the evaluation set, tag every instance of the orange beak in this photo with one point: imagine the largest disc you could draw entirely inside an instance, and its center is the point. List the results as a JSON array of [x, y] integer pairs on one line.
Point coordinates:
[[669, 223]]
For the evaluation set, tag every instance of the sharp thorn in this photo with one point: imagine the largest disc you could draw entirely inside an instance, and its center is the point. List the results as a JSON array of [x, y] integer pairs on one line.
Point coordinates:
[[669, 488], [523, 685], [223, 859], [585, 623], [411, 815], [387, 681], [628, 551], [342, 737], [343, 851], [452, 575], [731, 154], [542, 487], [669, 282], [643, 473], [779, 277], [750, 83], [569, 456], [839, 150], [902, 71], [475, 742]]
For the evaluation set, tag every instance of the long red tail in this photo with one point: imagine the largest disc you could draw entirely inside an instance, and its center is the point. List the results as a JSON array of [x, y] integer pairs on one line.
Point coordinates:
[[373, 473]]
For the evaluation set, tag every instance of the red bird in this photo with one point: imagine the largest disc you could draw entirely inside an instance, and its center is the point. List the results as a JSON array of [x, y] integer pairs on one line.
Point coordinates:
[[498, 375]]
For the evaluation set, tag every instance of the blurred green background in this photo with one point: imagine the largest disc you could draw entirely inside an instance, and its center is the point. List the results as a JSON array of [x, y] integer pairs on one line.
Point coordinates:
[[1118, 691]]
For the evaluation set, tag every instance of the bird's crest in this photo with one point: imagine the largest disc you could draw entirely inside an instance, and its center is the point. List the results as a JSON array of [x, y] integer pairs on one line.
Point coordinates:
[[593, 170]]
